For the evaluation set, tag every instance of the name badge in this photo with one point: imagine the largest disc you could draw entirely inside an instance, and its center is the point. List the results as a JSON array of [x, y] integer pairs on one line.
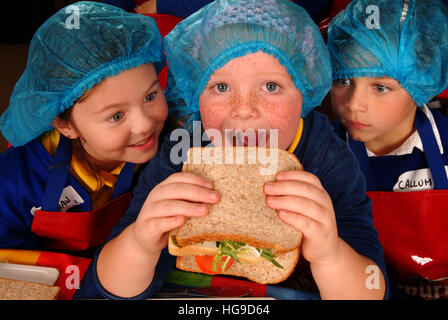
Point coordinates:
[[417, 180], [69, 198]]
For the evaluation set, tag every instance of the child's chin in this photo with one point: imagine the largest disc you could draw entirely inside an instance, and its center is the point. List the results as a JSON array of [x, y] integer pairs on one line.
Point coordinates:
[[355, 135], [144, 156]]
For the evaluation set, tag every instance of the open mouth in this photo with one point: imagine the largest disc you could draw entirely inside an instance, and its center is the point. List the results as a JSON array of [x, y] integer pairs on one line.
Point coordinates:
[[247, 137]]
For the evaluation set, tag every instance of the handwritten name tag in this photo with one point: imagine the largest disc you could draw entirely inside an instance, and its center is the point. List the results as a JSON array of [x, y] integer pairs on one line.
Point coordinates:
[[417, 180], [69, 198]]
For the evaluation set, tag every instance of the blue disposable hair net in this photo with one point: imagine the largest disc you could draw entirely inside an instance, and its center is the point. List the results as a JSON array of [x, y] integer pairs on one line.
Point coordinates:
[[408, 42], [72, 51], [224, 30]]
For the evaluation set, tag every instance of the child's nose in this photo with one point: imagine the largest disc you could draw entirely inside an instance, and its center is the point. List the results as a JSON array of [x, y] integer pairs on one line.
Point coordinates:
[[245, 107], [357, 100], [142, 123]]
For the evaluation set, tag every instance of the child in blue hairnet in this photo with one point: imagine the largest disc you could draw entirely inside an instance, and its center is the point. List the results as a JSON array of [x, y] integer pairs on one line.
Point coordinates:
[[250, 66], [86, 110], [385, 72]]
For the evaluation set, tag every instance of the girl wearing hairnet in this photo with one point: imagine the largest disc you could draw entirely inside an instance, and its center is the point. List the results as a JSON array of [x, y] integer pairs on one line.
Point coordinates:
[[240, 65], [389, 60], [86, 110]]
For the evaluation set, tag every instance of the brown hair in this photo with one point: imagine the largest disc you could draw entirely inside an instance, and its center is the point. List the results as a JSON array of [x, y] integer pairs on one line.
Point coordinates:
[[78, 149]]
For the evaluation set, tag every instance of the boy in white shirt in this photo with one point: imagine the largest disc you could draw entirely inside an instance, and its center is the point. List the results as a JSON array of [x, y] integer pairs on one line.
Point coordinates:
[[389, 60]]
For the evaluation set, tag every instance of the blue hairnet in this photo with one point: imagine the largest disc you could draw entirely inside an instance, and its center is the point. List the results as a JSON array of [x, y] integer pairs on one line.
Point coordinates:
[[224, 30], [66, 58], [408, 42]]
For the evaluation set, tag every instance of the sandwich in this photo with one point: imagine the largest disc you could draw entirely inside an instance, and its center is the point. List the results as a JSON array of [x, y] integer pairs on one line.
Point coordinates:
[[241, 235], [25, 290]]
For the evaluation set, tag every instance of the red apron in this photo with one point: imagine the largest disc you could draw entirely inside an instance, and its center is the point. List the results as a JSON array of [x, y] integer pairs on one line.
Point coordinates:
[[76, 231], [79, 231], [413, 226]]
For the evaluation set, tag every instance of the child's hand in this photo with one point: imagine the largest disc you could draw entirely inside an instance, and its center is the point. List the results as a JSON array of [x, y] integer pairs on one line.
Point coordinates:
[[168, 205], [302, 202]]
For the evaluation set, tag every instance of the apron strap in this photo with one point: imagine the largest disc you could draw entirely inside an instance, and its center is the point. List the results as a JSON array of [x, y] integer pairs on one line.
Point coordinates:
[[359, 149], [57, 174], [431, 149], [124, 181], [59, 171]]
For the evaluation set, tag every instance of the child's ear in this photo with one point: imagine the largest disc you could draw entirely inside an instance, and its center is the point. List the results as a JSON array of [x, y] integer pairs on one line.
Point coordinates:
[[65, 128]]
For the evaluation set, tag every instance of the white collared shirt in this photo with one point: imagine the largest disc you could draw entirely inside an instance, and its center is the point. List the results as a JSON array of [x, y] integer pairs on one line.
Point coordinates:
[[414, 140]]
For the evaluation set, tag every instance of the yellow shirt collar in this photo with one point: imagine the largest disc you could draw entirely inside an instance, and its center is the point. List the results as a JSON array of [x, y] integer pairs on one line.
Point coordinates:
[[80, 170], [296, 140], [50, 141]]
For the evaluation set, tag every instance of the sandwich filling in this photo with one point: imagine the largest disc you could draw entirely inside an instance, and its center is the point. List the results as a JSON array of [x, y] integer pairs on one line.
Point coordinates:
[[222, 254], [230, 250]]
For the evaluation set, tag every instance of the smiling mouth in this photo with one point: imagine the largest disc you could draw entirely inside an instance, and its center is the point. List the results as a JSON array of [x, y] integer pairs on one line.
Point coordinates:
[[144, 142], [247, 137], [141, 143]]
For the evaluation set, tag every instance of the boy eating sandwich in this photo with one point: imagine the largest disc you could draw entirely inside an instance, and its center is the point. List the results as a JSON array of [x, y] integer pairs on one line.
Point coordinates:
[[251, 65]]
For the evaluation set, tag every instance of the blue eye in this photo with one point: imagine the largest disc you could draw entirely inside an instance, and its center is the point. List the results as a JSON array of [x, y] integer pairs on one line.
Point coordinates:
[[271, 87], [116, 117], [221, 87]]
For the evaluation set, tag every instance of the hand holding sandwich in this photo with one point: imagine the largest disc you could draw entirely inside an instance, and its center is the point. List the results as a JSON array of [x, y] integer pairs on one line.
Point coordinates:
[[137, 249], [302, 202], [181, 195]]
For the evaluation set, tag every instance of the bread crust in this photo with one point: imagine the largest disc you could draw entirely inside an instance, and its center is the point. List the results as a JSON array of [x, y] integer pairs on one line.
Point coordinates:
[[280, 151]]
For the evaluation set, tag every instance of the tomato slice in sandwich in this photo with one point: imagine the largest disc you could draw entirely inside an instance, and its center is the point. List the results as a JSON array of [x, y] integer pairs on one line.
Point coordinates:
[[205, 263]]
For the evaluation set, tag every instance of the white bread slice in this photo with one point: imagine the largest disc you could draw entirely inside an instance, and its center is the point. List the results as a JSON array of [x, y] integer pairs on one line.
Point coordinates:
[[241, 214], [25, 290], [263, 272]]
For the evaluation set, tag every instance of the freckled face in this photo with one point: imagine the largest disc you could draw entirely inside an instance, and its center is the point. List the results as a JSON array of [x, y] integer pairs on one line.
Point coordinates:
[[252, 92]]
